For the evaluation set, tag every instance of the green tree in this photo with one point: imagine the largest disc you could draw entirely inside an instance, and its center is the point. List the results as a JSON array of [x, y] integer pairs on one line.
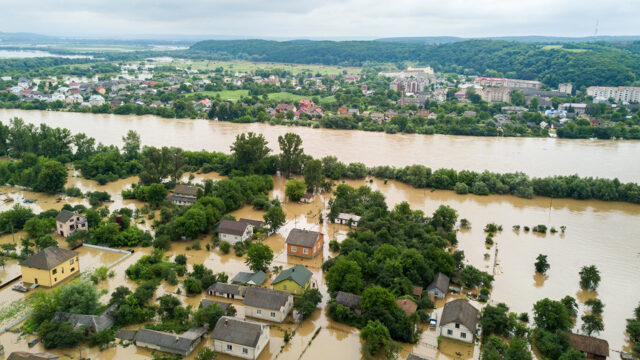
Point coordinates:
[[79, 297], [345, 275], [249, 152], [259, 256], [495, 320], [209, 315], [52, 177], [541, 264], [307, 302], [131, 145], [291, 153], [551, 315], [313, 175], [378, 341], [589, 277], [445, 217], [592, 323], [156, 193], [596, 306], [37, 227], [295, 189], [517, 97], [205, 353], [274, 218], [192, 285], [45, 241], [572, 354]]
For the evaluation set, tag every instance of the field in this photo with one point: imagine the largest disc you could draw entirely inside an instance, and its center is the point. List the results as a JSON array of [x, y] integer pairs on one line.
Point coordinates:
[[235, 95], [246, 66], [560, 47]]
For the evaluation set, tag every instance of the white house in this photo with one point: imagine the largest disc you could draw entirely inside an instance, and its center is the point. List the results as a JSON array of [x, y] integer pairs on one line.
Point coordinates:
[[459, 321], [346, 219], [439, 286], [234, 231], [267, 304], [96, 100], [241, 338]]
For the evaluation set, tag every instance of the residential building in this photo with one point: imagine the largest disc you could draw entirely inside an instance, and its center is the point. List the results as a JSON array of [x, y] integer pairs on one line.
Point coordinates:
[[67, 222], [349, 300], [459, 321], [294, 280], [347, 219], [184, 195], [50, 266], [228, 291], [182, 344], [573, 108], [241, 338], [518, 110], [439, 286], [91, 323], [267, 304], [408, 306], [496, 94], [23, 355], [590, 347], [618, 94], [507, 83], [566, 88], [248, 279], [96, 100], [234, 231], [304, 243], [206, 302]]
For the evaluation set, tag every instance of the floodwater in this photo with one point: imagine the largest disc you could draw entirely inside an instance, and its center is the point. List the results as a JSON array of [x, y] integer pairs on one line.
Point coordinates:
[[22, 54], [534, 156]]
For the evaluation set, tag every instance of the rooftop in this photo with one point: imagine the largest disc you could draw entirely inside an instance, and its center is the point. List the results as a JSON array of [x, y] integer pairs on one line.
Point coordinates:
[[265, 298], [298, 274], [461, 312], [232, 227], [236, 331], [589, 344], [305, 238], [49, 258]]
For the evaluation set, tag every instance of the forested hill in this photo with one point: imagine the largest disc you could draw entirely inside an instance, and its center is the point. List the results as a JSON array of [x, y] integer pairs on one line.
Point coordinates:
[[597, 63]]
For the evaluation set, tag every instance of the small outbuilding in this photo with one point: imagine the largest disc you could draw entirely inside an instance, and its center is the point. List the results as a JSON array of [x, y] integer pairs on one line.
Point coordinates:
[[591, 347], [439, 286]]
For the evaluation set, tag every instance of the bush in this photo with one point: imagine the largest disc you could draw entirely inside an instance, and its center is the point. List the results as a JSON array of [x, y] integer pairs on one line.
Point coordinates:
[[461, 188], [73, 191], [334, 246], [225, 247], [540, 229]]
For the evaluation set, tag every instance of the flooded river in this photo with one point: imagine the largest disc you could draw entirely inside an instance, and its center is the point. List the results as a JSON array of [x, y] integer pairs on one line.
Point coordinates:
[[599, 233], [534, 156]]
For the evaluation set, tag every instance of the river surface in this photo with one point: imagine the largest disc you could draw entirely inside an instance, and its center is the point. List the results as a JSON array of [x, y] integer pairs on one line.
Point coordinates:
[[22, 54], [601, 233], [534, 156]]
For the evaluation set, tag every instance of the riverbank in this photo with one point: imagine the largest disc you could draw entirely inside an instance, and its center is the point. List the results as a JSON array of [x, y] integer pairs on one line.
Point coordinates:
[[536, 157]]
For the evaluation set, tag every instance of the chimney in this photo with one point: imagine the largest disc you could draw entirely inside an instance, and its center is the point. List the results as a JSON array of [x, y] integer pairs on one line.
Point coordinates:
[[226, 322]]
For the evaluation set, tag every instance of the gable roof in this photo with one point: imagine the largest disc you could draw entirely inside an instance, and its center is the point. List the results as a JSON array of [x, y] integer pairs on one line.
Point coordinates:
[[171, 341], [589, 344], [65, 215], [49, 258], [236, 331], [247, 278], [93, 323], [349, 300], [227, 288], [254, 223], [461, 312], [188, 190], [265, 298], [232, 227], [408, 306], [298, 274], [23, 355], [440, 282], [303, 238]]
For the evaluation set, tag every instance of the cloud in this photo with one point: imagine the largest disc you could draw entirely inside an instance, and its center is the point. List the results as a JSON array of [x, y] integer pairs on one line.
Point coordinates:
[[321, 19]]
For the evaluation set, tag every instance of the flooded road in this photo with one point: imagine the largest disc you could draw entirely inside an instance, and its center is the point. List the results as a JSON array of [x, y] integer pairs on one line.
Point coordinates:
[[534, 156]]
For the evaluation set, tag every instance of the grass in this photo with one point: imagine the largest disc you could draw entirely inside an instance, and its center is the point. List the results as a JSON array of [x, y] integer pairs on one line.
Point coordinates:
[[560, 47], [12, 311], [248, 66], [235, 95]]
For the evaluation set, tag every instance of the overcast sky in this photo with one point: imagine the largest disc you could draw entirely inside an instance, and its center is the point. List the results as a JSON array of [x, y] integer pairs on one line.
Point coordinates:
[[321, 18]]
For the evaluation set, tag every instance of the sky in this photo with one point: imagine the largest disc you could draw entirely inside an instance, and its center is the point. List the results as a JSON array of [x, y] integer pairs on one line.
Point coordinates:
[[321, 19]]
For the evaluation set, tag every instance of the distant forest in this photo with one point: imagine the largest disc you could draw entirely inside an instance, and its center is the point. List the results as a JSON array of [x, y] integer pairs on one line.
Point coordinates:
[[582, 64]]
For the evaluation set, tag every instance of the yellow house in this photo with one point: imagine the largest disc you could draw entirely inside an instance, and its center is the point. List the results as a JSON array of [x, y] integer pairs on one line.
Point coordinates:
[[50, 266], [295, 280]]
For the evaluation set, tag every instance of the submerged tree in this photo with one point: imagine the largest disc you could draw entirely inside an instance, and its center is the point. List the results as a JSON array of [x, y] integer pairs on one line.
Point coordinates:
[[541, 264]]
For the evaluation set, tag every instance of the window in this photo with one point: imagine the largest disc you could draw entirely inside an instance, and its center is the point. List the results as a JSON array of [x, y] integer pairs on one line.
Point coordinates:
[[305, 251], [55, 271], [273, 314], [245, 350], [55, 279], [284, 287], [258, 311], [449, 332], [294, 249], [62, 270], [73, 269], [71, 262], [60, 226], [229, 347], [463, 335], [457, 326]]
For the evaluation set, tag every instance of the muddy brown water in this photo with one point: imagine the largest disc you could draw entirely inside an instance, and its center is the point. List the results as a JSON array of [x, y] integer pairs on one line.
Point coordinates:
[[534, 156]]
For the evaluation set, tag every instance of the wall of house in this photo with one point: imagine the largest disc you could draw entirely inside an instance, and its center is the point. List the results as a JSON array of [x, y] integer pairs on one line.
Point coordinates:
[[456, 333], [48, 278], [237, 350], [78, 222], [265, 314], [228, 296], [289, 286], [231, 239], [437, 293]]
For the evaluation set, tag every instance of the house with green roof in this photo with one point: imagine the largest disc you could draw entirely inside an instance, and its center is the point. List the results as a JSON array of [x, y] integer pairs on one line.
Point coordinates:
[[294, 280], [249, 279]]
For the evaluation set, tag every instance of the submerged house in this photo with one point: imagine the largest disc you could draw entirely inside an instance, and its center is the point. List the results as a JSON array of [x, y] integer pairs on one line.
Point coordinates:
[[347, 219], [91, 323], [228, 291], [184, 195], [248, 279], [241, 338], [267, 304], [182, 344], [459, 321], [439, 286], [304, 243], [294, 280], [50, 266], [352, 301], [234, 231], [589, 346], [68, 222], [206, 302]]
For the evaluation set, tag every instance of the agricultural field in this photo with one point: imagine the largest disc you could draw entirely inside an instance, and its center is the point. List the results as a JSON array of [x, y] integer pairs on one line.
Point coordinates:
[[235, 95], [247, 66]]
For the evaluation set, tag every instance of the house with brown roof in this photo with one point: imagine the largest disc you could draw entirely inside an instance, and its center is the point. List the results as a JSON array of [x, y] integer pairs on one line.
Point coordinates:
[[589, 346], [459, 321], [67, 222], [50, 266], [184, 195], [408, 306], [304, 243]]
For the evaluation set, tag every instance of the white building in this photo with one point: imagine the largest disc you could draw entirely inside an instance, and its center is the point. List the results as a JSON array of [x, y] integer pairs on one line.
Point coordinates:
[[234, 231], [241, 338], [619, 94], [459, 321], [267, 304], [346, 219], [96, 100]]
